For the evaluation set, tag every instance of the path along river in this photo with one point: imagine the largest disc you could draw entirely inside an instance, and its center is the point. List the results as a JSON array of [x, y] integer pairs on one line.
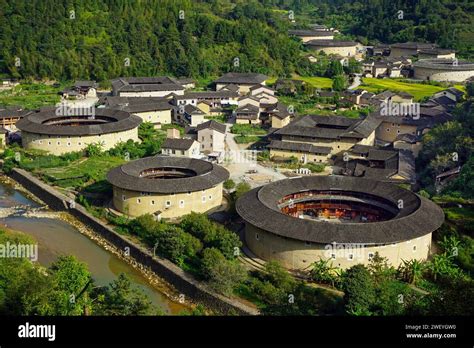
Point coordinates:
[[57, 237]]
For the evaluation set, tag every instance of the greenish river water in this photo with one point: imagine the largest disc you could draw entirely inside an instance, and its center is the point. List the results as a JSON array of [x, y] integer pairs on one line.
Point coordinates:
[[56, 237]]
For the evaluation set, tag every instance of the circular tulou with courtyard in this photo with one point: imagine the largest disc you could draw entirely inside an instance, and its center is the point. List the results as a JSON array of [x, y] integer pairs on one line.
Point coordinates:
[[299, 221], [167, 187], [60, 131]]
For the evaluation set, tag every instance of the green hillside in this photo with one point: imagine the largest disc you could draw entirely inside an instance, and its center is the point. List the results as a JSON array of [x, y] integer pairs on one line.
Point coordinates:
[[67, 40], [449, 23]]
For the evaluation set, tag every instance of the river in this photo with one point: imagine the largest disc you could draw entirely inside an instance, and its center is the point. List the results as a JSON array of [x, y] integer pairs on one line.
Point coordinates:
[[56, 237]]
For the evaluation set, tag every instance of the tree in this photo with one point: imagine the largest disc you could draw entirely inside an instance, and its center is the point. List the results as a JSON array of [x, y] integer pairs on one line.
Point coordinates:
[[450, 245], [456, 297], [119, 298], [324, 272], [72, 280], [221, 274], [168, 240], [359, 291], [470, 89], [31, 290], [335, 69], [442, 266], [65, 288], [411, 271], [279, 276], [380, 269], [240, 189], [94, 149], [339, 83], [229, 184], [353, 66], [211, 234], [463, 185]]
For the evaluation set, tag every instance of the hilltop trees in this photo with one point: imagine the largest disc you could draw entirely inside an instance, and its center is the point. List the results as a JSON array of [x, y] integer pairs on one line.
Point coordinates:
[[447, 23], [103, 40]]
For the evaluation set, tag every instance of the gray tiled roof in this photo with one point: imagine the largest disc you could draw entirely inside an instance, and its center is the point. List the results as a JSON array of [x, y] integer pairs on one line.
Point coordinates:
[[300, 32], [278, 110], [220, 127], [247, 108], [148, 106], [177, 144], [87, 84], [128, 177], [330, 127], [458, 93], [208, 95], [416, 218], [409, 138], [300, 147], [242, 78], [141, 84], [373, 153], [114, 121], [331, 43], [413, 45], [116, 100]]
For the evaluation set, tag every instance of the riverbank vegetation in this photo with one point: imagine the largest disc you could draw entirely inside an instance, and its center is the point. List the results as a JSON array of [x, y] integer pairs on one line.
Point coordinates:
[[206, 249], [64, 288]]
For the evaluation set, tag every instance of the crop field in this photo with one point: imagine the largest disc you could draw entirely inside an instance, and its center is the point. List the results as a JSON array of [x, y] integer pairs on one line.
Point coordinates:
[[82, 172], [31, 95], [418, 90], [315, 81]]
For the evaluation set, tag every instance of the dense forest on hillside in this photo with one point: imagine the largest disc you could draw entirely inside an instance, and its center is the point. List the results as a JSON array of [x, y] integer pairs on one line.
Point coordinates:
[[97, 39], [90, 39], [449, 23]]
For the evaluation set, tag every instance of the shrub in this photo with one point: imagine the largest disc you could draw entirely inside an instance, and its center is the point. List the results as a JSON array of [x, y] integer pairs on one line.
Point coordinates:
[[94, 150], [229, 184], [315, 167], [8, 165], [222, 275], [168, 240], [359, 291], [211, 234]]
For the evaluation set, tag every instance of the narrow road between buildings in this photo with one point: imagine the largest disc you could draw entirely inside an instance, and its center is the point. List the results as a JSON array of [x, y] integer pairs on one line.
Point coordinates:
[[239, 169], [357, 82]]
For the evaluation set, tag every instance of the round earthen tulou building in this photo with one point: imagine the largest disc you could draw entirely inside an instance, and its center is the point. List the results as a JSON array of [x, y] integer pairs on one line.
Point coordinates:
[[167, 187], [59, 133], [344, 219]]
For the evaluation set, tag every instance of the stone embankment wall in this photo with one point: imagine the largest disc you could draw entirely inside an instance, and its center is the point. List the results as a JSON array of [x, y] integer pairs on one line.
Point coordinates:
[[181, 280]]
